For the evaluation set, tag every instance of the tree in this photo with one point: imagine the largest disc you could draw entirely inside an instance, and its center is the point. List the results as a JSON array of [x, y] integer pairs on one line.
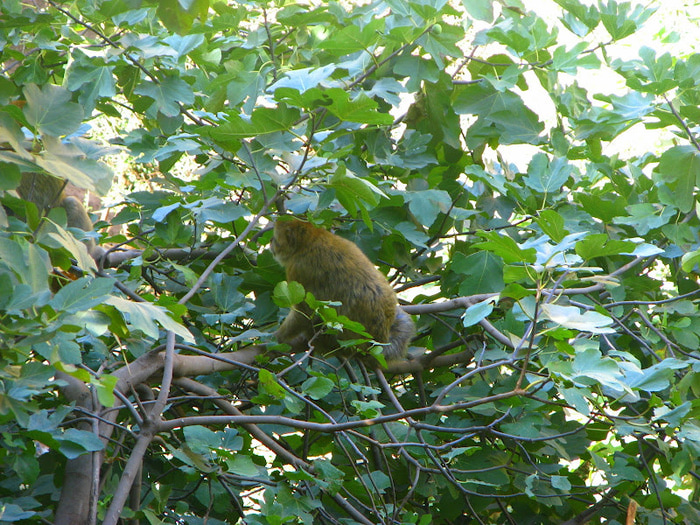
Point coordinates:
[[551, 268]]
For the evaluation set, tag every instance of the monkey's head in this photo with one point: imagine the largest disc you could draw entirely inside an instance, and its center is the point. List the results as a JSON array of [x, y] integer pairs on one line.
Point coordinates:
[[291, 235]]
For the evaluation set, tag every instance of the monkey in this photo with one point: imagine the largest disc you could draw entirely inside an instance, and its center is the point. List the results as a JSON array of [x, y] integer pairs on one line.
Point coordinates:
[[335, 269], [47, 192]]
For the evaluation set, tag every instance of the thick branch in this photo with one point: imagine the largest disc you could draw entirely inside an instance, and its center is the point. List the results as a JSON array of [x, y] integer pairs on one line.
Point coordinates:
[[147, 433], [78, 480]]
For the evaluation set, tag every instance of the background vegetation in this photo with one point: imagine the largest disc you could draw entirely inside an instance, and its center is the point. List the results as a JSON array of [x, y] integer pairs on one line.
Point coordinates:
[[526, 180]]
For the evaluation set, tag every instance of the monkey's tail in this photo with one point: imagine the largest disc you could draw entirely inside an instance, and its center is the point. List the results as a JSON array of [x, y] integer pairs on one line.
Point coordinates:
[[400, 334]]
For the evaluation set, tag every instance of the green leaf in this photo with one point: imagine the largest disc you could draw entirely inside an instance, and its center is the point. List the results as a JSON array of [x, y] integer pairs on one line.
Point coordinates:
[[330, 475], [602, 206], [189, 457], [502, 115], [287, 294], [656, 377], [600, 245], [50, 110], [168, 94], [481, 272], [263, 121], [61, 348], [360, 109], [185, 44], [552, 225], [674, 417], [621, 20], [645, 217], [200, 439], [9, 513], [11, 133], [67, 160], [352, 38], [579, 18], [506, 248], [561, 483], [226, 289], [679, 169], [304, 79], [653, 74], [426, 205], [76, 442], [477, 312], [82, 294], [152, 518], [334, 321], [60, 237], [576, 398], [144, 316], [90, 80], [590, 368], [568, 61], [479, 9], [377, 479], [179, 16], [589, 364], [367, 409], [317, 387], [29, 262], [416, 70], [270, 385], [690, 260], [222, 212], [243, 466], [351, 190], [547, 176], [571, 317], [441, 41], [105, 385]]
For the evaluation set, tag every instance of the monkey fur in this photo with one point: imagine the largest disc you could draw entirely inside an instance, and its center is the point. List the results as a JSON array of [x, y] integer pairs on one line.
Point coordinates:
[[335, 269], [48, 192]]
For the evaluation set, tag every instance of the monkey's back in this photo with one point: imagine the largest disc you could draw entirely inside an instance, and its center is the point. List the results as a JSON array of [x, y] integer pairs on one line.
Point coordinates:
[[335, 269]]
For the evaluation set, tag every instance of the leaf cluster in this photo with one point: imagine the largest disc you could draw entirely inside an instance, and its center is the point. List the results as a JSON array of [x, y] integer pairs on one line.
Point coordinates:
[[527, 187]]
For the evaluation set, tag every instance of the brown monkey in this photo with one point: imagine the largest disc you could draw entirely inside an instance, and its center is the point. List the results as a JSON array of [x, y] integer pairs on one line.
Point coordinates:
[[48, 192], [335, 269]]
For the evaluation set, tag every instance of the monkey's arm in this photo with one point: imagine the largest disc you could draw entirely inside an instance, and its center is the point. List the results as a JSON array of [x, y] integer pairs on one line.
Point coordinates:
[[402, 331], [77, 217], [295, 330]]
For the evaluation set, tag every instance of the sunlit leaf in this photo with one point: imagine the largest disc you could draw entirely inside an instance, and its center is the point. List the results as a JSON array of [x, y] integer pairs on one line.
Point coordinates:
[[574, 318]]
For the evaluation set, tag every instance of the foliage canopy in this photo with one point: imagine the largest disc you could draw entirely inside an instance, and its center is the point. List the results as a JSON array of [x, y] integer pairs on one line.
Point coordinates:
[[487, 157]]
